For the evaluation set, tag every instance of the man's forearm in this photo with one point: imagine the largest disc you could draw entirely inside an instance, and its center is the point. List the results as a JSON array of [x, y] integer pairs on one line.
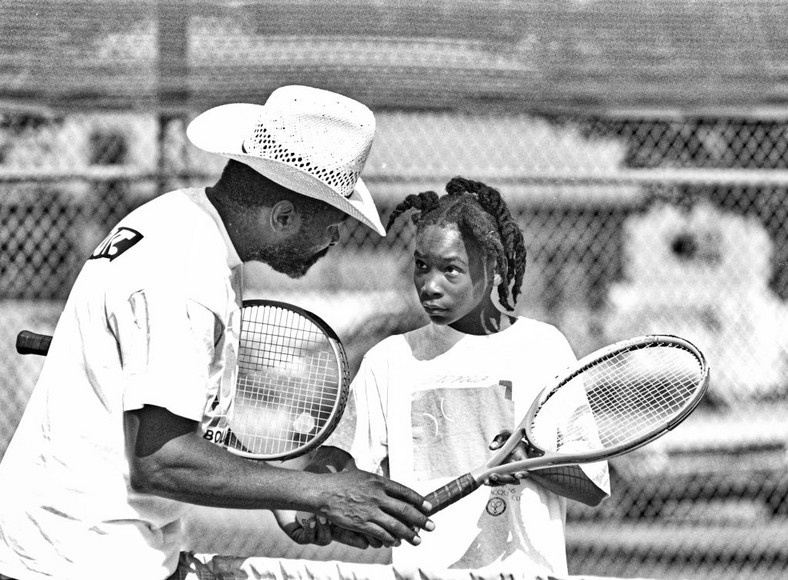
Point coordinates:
[[194, 470]]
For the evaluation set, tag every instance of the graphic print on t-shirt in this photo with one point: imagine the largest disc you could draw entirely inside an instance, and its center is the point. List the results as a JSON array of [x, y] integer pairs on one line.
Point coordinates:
[[454, 421], [117, 242]]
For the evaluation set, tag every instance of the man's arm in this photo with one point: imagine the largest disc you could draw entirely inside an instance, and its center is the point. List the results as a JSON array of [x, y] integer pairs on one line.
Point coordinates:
[[168, 457]]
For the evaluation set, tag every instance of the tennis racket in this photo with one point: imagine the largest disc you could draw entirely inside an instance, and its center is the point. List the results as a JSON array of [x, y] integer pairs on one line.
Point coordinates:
[[292, 384], [610, 402]]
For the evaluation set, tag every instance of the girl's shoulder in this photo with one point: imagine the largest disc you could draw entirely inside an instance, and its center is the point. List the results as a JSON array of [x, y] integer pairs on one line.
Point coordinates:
[[525, 324], [388, 345], [414, 344], [535, 332]]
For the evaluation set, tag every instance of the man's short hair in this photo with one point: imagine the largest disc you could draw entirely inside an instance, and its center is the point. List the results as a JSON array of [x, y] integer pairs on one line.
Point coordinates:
[[244, 188]]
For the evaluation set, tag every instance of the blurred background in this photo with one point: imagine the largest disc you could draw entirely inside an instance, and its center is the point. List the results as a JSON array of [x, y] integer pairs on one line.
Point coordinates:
[[641, 144]]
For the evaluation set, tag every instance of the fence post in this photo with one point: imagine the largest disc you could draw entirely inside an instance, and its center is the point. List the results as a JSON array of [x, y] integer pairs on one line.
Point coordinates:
[[172, 18]]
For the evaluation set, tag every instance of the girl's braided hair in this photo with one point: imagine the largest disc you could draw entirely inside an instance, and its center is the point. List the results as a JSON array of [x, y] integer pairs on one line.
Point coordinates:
[[481, 214]]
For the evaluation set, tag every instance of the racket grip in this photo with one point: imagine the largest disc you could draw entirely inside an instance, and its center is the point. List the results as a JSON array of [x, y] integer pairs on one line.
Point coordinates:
[[451, 492], [28, 342]]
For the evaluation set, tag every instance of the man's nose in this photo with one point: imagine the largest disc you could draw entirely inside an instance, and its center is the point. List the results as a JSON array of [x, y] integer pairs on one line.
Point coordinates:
[[335, 235]]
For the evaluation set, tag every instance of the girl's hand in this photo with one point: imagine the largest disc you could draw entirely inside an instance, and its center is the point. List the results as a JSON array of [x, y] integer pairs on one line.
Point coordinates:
[[307, 528], [304, 528], [518, 453]]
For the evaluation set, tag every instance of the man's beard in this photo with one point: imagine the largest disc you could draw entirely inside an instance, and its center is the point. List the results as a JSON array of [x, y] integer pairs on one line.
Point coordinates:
[[287, 260]]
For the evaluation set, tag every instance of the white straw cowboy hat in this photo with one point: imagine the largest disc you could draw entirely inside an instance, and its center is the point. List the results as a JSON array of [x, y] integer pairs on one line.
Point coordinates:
[[308, 140]]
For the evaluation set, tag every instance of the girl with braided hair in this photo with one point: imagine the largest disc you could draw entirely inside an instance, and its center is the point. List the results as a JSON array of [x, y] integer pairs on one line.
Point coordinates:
[[481, 216], [429, 402]]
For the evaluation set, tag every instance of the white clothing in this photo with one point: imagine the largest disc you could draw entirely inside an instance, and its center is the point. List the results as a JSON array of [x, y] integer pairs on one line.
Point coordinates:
[[431, 401], [152, 319]]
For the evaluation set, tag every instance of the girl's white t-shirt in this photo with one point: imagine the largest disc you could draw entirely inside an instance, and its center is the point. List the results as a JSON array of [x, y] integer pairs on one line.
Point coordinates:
[[430, 402]]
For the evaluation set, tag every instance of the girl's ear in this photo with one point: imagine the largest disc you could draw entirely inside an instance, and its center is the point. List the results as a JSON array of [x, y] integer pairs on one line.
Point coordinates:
[[497, 279]]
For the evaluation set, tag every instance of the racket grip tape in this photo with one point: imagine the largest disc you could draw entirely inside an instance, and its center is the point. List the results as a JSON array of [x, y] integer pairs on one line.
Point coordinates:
[[451, 492], [28, 342]]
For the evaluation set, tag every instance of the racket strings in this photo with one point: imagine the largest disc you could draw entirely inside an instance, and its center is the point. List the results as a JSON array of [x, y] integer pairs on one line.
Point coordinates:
[[288, 382], [617, 400]]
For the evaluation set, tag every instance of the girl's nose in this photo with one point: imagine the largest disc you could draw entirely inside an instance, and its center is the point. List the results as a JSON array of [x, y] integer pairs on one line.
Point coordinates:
[[430, 287]]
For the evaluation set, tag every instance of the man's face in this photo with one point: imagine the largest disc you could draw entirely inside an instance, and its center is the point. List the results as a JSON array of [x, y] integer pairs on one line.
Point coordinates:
[[299, 252]]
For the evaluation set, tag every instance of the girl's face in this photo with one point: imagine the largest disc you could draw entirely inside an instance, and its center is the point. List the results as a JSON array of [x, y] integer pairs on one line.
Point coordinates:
[[451, 279]]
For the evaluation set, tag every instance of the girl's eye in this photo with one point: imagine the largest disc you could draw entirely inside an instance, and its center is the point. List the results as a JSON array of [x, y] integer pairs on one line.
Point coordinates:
[[420, 265]]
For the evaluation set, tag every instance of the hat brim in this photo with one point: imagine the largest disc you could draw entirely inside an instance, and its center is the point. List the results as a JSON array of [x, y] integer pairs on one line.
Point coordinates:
[[222, 131]]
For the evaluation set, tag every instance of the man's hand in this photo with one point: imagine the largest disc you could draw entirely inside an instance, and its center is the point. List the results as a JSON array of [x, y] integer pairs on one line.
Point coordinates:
[[363, 509], [374, 507]]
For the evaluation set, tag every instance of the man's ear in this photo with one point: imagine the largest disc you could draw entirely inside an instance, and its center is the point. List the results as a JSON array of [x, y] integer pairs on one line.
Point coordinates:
[[284, 217]]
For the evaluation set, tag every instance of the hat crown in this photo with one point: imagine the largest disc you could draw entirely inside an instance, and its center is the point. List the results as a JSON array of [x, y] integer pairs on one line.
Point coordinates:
[[324, 134]]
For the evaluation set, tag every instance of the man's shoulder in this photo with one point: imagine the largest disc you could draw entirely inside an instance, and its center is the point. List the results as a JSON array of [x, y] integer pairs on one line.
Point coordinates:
[[169, 212], [176, 239]]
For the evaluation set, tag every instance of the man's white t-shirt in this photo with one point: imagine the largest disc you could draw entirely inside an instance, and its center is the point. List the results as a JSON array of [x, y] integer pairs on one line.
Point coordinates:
[[151, 320], [430, 402]]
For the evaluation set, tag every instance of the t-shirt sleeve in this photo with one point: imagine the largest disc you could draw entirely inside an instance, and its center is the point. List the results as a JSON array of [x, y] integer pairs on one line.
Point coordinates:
[[579, 431], [564, 354], [369, 447], [166, 346]]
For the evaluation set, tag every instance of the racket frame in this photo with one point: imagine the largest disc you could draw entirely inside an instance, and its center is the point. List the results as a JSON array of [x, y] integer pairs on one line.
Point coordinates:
[[467, 483], [546, 459], [343, 388]]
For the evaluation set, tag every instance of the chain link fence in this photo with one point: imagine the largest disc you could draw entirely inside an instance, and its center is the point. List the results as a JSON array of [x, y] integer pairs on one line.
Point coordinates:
[[633, 224]]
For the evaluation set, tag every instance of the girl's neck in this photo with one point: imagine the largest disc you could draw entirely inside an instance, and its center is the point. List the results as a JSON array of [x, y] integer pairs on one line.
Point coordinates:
[[488, 320], [433, 340]]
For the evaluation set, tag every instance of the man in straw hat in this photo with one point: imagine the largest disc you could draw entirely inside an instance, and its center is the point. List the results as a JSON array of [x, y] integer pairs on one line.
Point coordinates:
[[110, 451]]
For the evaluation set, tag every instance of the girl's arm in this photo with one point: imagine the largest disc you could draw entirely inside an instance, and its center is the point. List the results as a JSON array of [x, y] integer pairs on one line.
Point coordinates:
[[570, 481]]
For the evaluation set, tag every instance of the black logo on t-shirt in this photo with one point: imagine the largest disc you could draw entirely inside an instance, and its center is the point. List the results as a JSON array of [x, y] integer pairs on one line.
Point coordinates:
[[116, 243], [496, 506]]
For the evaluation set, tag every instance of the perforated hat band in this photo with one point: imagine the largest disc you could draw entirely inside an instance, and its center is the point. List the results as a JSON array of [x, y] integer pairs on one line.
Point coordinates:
[[263, 144]]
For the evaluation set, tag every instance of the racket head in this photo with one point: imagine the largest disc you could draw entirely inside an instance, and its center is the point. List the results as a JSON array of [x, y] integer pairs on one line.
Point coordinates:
[[292, 384], [626, 395]]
